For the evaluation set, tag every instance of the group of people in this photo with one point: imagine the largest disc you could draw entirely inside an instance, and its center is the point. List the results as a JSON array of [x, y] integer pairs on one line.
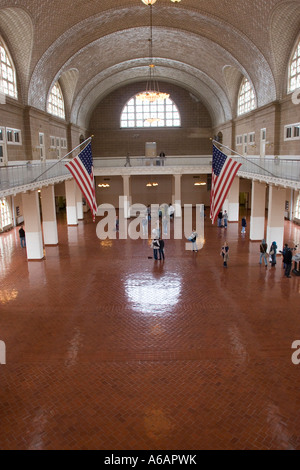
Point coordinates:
[[286, 254], [222, 219], [158, 246]]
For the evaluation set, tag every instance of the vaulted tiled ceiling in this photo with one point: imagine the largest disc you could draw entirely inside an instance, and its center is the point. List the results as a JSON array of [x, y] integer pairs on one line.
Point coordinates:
[[96, 46]]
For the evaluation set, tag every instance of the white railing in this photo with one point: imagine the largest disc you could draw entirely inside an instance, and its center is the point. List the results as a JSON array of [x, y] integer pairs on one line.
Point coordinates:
[[33, 173]]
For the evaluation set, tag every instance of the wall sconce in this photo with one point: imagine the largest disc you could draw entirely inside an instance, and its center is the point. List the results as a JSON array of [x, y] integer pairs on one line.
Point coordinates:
[[200, 183], [103, 185], [150, 185]]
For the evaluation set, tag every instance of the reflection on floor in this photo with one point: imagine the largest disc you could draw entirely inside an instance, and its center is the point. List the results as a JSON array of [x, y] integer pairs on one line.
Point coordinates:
[[107, 349]]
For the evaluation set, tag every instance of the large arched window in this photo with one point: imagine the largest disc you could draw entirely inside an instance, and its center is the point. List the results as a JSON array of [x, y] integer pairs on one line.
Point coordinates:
[[161, 113], [8, 81], [5, 215], [294, 70], [55, 103], [246, 98]]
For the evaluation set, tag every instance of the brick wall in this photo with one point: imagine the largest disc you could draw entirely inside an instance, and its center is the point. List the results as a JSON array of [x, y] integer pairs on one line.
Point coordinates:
[[192, 138]]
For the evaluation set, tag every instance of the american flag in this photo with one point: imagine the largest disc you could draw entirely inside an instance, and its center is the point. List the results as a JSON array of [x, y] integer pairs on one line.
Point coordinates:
[[82, 170], [224, 170]]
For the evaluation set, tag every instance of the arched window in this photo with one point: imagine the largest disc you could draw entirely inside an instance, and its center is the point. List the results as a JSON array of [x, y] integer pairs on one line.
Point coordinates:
[[5, 215], [294, 70], [161, 113], [55, 103], [8, 81], [246, 99]]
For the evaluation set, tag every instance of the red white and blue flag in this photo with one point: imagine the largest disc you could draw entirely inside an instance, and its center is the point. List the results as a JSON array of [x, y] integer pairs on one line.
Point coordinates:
[[81, 167], [224, 170]]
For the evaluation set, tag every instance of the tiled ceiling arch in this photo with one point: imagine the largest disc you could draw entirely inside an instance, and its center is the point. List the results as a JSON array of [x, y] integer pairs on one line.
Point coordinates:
[[17, 28], [193, 41]]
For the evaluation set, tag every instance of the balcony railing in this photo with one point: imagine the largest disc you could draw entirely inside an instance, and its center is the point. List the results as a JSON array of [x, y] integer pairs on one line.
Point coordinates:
[[30, 174], [27, 174]]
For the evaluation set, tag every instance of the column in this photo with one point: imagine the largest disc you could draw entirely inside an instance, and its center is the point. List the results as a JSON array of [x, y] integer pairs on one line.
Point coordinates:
[[33, 228], [49, 216], [275, 227], [258, 210], [127, 194], [79, 205], [233, 201], [71, 202], [176, 194]]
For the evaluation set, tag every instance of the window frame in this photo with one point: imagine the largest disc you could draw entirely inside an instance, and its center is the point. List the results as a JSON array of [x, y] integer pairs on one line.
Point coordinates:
[[291, 128], [294, 58], [135, 113], [11, 66], [5, 218], [242, 94], [14, 132], [54, 100]]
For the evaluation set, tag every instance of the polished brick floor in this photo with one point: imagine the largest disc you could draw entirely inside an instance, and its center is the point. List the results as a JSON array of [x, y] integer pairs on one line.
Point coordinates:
[[107, 349]]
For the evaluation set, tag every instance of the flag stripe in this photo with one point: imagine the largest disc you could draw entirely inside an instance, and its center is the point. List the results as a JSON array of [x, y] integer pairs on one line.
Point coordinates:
[[81, 168], [82, 179], [223, 173]]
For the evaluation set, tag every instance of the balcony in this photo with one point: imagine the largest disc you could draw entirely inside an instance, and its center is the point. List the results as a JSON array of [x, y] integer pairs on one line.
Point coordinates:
[[29, 176]]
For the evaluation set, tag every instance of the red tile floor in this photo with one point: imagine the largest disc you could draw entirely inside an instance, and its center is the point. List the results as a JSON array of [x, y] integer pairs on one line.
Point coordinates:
[[107, 349]]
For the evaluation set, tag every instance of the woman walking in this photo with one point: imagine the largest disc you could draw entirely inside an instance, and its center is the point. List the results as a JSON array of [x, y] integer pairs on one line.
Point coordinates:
[[225, 254], [273, 252]]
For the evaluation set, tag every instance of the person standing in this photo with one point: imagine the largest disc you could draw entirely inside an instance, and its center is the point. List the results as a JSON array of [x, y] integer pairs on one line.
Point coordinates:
[[263, 252], [22, 237], [287, 259], [244, 225], [127, 160], [225, 253], [225, 219], [162, 157], [220, 217], [273, 252], [161, 249], [155, 245], [193, 239]]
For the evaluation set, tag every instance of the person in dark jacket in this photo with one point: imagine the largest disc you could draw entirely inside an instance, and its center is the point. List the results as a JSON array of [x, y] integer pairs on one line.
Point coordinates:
[[161, 249], [287, 259], [273, 252], [244, 225], [22, 237], [263, 252], [220, 217]]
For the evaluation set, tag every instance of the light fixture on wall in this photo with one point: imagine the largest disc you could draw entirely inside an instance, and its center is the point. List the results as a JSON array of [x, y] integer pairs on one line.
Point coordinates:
[[200, 183], [152, 92], [151, 185], [103, 185]]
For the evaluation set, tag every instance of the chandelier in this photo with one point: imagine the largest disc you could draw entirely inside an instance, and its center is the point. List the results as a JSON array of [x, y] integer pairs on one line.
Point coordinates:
[[152, 92], [151, 2]]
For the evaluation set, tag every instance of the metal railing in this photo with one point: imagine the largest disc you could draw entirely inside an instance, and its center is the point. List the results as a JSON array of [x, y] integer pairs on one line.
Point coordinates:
[[21, 175], [15, 176]]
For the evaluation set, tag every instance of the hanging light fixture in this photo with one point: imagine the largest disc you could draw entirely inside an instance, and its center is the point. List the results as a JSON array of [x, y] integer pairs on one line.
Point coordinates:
[[151, 2], [152, 92]]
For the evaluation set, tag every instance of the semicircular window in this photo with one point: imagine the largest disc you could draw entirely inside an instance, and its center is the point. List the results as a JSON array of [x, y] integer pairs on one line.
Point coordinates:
[[246, 97], [55, 104], [161, 113], [294, 70], [8, 81]]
